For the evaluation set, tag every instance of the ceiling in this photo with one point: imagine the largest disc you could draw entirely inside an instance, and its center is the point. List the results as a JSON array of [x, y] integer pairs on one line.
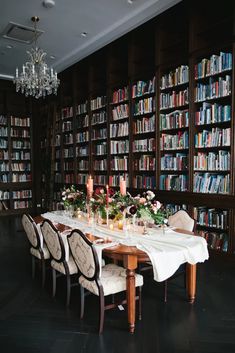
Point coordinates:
[[62, 25]]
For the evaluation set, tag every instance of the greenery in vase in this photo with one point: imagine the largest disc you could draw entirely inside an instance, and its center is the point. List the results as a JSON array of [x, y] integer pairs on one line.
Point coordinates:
[[73, 197]]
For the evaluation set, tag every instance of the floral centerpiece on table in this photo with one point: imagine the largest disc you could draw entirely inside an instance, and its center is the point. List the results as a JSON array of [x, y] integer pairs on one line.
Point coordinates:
[[100, 201], [148, 209], [75, 198]]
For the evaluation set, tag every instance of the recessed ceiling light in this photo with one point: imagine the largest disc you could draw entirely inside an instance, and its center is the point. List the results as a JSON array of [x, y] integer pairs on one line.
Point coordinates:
[[83, 34], [130, 1], [52, 57], [9, 46], [48, 4]]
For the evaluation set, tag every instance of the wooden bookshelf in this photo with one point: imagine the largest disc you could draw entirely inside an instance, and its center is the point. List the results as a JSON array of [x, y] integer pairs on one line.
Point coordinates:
[[178, 158]]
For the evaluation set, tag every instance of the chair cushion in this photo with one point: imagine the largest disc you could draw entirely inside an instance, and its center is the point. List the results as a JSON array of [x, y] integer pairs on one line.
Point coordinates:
[[58, 266], [113, 280], [36, 252]]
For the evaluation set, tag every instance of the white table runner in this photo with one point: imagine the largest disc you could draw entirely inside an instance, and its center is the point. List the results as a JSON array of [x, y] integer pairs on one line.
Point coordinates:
[[167, 251]]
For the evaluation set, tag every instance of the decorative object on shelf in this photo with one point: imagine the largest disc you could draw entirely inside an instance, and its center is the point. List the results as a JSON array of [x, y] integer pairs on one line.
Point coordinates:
[[36, 79], [73, 198]]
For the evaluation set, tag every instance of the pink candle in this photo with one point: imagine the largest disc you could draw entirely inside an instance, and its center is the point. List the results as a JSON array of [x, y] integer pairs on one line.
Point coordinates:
[[89, 186], [107, 196], [122, 186]]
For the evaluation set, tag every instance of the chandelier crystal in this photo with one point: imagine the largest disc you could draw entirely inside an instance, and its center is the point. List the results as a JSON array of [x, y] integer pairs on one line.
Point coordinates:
[[36, 78]]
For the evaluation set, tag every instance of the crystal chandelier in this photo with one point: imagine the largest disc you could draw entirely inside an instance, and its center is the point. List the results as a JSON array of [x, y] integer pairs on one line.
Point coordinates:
[[36, 78]]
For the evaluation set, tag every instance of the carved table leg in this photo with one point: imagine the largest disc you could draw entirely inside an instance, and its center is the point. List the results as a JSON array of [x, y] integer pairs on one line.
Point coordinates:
[[191, 282], [130, 263]]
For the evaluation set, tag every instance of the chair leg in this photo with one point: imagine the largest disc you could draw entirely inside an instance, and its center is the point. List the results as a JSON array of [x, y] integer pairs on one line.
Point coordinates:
[[82, 301], [53, 282], [101, 313], [43, 272], [165, 291], [140, 303], [68, 280], [33, 267]]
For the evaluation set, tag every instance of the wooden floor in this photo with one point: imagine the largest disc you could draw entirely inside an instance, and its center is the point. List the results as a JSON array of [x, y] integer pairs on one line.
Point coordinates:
[[31, 321]]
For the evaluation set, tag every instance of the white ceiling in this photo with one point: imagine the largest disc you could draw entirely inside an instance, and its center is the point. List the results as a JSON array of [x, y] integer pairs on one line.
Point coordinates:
[[103, 20]]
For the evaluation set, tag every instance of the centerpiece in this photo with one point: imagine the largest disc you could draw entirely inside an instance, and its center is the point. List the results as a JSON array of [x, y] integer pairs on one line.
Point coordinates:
[[74, 200]]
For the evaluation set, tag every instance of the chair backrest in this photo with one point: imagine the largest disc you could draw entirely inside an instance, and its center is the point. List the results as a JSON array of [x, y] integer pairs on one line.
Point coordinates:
[[53, 240], [182, 220], [31, 231], [84, 255]]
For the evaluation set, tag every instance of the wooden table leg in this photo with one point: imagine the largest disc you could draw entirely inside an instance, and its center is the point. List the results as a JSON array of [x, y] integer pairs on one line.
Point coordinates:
[[130, 263], [191, 282]]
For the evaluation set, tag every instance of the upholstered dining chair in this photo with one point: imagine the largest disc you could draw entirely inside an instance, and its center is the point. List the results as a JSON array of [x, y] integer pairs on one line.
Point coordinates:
[[180, 220], [38, 249], [62, 262], [101, 281]]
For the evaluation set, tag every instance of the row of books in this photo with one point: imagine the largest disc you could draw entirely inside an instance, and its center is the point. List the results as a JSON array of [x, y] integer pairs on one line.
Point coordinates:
[[4, 178], [3, 120], [57, 154], [16, 144], [19, 177], [82, 122], [58, 178], [68, 152], [144, 145], [144, 182], [211, 183], [119, 130], [212, 113], [83, 164], [120, 95], [67, 126], [216, 88], [98, 102], [173, 208], [23, 121], [22, 204], [68, 139], [144, 106], [69, 178], [81, 108], [144, 163], [119, 163], [3, 143], [114, 180], [214, 65], [140, 88], [119, 147], [82, 136], [57, 166], [215, 241], [3, 131], [21, 167], [67, 112], [4, 166], [99, 118], [211, 217], [20, 133], [174, 120], [57, 140], [4, 155], [100, 179], [212, 161], [176, 77], [174, 142], [82, 178], [82, 151], [215, 137], [144, 125], [120, 112], [100, 164], [100, 149], [4, 195], [22, 194], [174, 162], [172, 182], [99, 134], [68, 165], [174, 99]]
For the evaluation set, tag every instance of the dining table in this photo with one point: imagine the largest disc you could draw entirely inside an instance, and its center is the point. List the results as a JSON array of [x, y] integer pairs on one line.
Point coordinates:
[[167, 249]]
